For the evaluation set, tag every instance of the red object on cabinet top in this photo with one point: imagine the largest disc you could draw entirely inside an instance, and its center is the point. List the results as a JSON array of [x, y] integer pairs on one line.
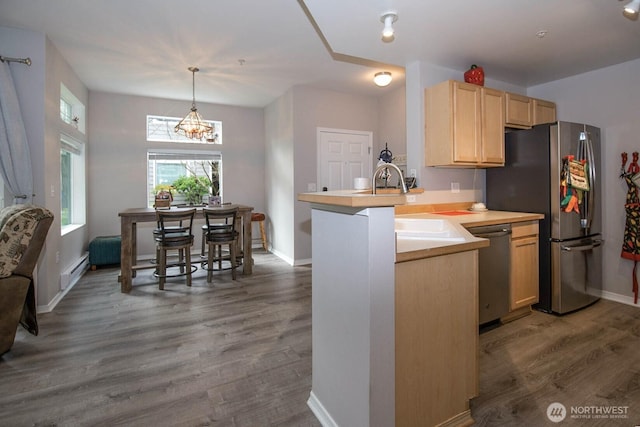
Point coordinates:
[[474, 75]]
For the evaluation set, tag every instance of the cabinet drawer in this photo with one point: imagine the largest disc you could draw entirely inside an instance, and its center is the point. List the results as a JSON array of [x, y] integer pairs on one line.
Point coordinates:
[[523, 229]]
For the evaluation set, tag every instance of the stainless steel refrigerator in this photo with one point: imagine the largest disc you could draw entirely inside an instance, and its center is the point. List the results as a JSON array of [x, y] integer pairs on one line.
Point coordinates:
[[532, 180]]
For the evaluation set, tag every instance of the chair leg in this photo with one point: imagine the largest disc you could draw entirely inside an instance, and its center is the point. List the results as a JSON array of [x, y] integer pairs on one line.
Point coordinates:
[[263, 235], [162, 268], [181, 259], [232, 256], [187, 256], [210, 262], [219, 257], [204, 242]]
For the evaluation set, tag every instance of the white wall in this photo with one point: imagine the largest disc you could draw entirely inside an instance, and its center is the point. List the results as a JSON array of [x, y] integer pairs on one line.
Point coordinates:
[[608, 98], [313, 108], [38, 89], [279, 166], [392, 128], [118, 156]]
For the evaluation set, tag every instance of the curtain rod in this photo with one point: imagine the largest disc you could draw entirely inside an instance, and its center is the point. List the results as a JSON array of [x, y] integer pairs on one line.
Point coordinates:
[[26, 61]]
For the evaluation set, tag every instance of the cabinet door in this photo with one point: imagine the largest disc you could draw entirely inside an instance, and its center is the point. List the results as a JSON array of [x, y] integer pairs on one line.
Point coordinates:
[[492, 127], [466, 122], [524, 272], [518, 111], [543, 112]]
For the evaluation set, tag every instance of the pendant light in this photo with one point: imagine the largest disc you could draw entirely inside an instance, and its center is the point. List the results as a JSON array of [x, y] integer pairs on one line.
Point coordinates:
[[192, 126]]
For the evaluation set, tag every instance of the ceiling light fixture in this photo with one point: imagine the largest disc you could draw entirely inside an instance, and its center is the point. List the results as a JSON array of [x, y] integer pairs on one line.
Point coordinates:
[[388, 18], [632, 8], [382, 79], [192, 126]]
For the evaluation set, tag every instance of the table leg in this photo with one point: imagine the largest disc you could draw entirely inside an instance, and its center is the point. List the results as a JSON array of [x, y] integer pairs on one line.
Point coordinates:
[[126, 234]]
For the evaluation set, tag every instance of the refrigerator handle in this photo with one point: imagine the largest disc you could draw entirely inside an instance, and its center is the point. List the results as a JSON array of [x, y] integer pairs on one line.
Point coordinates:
[[592, 181], [582, 248]]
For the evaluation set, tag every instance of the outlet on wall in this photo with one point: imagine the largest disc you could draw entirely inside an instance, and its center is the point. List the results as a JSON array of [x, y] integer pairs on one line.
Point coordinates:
[[455, 187]]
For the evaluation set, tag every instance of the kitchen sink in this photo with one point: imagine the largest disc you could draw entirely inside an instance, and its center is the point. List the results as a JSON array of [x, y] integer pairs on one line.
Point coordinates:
[[427, 229]]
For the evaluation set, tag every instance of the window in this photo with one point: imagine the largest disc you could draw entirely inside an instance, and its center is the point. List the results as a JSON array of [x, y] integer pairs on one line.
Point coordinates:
[[164, 167], [65, 111], [72, 184], [71, 109], [161, 128]]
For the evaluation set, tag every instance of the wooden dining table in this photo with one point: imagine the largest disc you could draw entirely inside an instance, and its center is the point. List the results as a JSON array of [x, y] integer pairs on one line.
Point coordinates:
[[129, 218]]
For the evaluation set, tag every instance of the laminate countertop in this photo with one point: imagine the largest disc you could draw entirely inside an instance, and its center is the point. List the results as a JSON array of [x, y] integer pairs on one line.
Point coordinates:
[[412, 249], [354, 198]]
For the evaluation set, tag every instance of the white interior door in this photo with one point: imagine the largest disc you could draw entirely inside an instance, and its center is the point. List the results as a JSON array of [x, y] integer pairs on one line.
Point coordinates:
[[342, 156]]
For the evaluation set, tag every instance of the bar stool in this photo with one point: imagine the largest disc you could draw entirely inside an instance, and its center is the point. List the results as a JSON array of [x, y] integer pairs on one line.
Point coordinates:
[[259, 217], [221, 230], [174, 233]]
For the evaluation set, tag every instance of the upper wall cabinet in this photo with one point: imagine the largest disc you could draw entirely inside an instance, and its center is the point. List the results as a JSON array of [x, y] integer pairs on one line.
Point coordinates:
[[522, 112], [543, 112], [464, 125], [518, 111]]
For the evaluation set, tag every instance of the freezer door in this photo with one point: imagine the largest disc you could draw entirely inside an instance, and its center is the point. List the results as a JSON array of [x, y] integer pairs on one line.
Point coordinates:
[[565, 141], [576, 274]]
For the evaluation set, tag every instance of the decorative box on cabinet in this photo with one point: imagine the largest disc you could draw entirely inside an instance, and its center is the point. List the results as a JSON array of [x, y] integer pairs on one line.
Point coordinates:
[[464, 125]]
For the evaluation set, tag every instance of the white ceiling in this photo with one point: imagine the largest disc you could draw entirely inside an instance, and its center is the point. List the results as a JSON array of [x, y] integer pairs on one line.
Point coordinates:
[[144, 47]]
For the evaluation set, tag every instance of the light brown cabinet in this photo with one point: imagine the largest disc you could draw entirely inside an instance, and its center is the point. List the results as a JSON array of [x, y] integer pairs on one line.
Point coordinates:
[[524, 274], [436, 338], [464, 125], [543, 112], [522, 112], [518, 111]]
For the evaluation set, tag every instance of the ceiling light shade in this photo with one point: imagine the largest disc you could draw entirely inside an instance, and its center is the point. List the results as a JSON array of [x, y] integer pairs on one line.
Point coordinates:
[[633, 7], [388, 18], [383, 78], [192, 126]]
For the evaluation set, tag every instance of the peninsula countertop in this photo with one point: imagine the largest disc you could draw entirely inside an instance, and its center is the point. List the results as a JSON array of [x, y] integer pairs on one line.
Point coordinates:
[[354, 198]]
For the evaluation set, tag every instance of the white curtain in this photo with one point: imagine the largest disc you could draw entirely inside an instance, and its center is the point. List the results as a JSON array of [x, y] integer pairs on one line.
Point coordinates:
[[15, 160]]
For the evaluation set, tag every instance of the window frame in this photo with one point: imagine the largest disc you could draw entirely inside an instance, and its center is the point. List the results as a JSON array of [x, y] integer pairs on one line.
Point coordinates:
[[179, 155], [76, 184]]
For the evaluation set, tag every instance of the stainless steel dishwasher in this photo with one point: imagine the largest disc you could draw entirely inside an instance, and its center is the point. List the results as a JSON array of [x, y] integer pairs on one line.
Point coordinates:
[[494, 265]]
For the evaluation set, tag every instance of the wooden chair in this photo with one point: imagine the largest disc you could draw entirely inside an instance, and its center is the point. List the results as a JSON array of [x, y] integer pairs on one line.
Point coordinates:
[[221, 230], [174, 233]]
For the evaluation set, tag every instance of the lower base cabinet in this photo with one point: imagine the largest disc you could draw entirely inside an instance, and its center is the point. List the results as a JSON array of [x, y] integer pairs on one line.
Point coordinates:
[[436, 333], [524, 277]]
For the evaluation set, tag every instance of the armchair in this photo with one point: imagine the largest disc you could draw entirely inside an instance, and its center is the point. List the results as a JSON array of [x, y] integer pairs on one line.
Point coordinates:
[[23, 230]]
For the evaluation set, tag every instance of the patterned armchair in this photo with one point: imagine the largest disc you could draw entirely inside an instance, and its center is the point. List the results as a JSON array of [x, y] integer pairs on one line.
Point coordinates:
[[23, 230]]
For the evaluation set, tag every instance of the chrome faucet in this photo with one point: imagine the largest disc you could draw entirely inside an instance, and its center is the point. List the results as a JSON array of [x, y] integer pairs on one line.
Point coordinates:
[[392, 166]]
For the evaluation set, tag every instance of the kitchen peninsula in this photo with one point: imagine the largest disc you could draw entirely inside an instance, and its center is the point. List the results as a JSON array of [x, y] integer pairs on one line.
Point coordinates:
[[395, 320]]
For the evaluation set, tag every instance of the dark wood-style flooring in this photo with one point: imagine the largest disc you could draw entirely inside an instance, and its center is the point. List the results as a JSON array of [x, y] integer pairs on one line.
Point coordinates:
[[239, 354]]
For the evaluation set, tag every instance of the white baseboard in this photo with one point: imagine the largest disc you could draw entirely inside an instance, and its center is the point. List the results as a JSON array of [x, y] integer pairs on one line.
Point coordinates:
[[67, 281], [320, 412], [290, 260], [611, 296]]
